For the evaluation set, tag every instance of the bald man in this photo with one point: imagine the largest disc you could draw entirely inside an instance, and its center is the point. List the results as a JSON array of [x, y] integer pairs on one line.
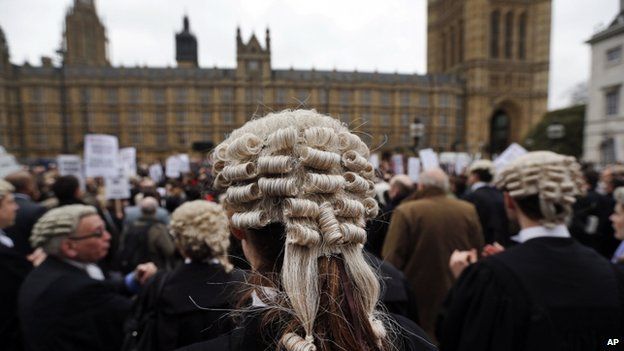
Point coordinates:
[[422, 235]]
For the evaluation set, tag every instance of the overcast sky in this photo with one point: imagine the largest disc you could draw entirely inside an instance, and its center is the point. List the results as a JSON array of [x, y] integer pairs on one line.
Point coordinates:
[[387, 35]]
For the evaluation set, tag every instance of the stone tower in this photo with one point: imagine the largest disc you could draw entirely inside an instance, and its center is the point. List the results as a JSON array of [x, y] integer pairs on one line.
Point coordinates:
[[500, 48], [186, 46], [253, 62], [85, 36]]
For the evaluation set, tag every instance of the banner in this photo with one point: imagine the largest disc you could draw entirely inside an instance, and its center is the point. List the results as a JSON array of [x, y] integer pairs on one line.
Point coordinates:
[[429, 159], [127, 158], [100, 155]]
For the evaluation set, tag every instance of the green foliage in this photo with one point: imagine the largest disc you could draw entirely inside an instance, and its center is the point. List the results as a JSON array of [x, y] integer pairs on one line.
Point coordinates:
[[572, 118]]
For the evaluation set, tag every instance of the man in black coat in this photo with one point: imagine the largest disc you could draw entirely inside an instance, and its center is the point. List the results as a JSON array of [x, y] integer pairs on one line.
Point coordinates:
[[66, 303], [488, 201], [13, 269], [29, 211], [548, 292]]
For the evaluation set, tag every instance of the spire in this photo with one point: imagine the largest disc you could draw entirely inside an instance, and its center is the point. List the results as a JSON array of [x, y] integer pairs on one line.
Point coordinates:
[[267, 39], [186, 45]]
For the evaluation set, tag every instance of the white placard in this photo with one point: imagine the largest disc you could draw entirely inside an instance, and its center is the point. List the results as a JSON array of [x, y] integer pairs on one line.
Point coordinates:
[[413, 168], [397, 164], [69, 165], [117, 187], [156, 172], [374, 160], [429, 159], [8, 165], [461, 163], [172, 167], [184, 163], [100, 154], [511, 153], [127, 158]]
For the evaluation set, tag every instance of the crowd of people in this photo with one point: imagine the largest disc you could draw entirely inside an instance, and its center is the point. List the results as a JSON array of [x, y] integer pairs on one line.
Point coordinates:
[[289, 239]]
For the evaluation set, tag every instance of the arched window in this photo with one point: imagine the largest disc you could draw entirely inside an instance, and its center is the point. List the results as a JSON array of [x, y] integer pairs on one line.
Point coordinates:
[[461, 41], [494, 33], [522, 22], [509, 35], [443, 57], [499, 132], [452, 58]]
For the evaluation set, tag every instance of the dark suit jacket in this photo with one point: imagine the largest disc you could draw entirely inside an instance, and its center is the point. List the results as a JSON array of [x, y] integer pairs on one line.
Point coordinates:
[[61, 308], [195, 303], [491, 210], [13, 269], [27, 215]]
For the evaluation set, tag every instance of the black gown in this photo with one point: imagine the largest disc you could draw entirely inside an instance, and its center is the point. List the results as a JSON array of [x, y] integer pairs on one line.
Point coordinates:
[[545, 294], [252, 337]]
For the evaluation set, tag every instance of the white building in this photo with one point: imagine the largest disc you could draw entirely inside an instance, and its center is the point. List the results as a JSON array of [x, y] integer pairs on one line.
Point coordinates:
[[604, 117]]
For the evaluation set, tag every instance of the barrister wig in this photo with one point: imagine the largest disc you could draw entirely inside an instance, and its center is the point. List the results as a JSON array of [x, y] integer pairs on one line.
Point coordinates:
[[59, 222], [555, 179], [5, 188], [482, 165], [618, 195], [308, 172], [200, 229]]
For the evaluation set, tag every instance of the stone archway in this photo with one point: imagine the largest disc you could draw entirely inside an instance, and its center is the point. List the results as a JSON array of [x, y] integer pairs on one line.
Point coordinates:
[[503, 126]]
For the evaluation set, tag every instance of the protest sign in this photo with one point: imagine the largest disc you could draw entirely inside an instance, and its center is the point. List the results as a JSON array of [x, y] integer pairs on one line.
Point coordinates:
[[117, 187], [511, 153], [100, 154], [184, 164], [397, 164], [172, 167], [429, 159], [374, 160], [8, 165], [156, 172], [413, 168], [127, 158], [69, 165]]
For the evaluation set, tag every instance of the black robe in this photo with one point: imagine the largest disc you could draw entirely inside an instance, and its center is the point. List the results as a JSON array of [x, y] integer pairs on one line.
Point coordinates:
[[545, 294], [13, 269], [194, 304], [491, 210], [61, 308], [252, 337]]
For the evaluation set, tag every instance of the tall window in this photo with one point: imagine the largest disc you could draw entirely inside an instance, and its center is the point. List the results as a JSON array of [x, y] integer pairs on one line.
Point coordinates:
[[614, 55], [509, 35], [345, 97], [494, 33], [280, 97], [112, 96], [522, 23], [366, 97], [424, 100], [405, 98], [612, 98], [205, 95], [385, 98], [227, 95]]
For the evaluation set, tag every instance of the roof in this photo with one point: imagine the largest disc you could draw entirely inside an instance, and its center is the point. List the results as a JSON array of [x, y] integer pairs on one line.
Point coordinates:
[[615, 28]]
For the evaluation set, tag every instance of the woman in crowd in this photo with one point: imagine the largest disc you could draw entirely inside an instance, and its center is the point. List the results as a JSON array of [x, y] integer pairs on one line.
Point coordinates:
[[299, 191], [617, 220], [196, 297]]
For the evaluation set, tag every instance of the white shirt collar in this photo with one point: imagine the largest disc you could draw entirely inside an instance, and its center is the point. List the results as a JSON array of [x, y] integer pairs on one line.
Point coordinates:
[[560, 231], [478, 185], [5, 240], [92, 269], [22, 196]]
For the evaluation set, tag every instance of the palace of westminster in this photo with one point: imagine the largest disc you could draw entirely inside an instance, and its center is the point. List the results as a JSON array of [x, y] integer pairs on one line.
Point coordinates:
[[486, 85]]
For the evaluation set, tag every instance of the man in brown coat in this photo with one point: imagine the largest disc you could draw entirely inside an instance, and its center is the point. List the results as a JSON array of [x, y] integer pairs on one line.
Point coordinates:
[[422, 236]]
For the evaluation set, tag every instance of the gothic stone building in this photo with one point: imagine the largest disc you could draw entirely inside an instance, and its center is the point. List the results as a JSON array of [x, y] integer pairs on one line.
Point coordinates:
[[486, 86]]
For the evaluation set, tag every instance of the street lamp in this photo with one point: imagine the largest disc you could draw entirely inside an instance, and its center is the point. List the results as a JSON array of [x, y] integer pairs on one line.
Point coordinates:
[[417, 130]]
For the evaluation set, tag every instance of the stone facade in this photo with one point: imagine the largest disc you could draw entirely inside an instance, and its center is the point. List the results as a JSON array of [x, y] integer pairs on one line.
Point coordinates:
[[45, 110], [604, 117]]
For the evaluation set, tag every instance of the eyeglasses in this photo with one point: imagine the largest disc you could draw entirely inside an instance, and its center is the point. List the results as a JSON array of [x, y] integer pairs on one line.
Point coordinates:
[[97, 234]]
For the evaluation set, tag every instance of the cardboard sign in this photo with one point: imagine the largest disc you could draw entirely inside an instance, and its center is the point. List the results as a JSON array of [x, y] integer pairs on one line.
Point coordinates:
[[8, 165], [100, 154], [397, 164], [511, 153], [413, 168], [184, 163], [117, 187], [429, 159], [462, 162], [156, 172], [127, 158]]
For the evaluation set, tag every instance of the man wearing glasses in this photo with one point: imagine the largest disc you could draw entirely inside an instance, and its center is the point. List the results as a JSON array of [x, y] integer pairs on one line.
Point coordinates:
[[66, 303]]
